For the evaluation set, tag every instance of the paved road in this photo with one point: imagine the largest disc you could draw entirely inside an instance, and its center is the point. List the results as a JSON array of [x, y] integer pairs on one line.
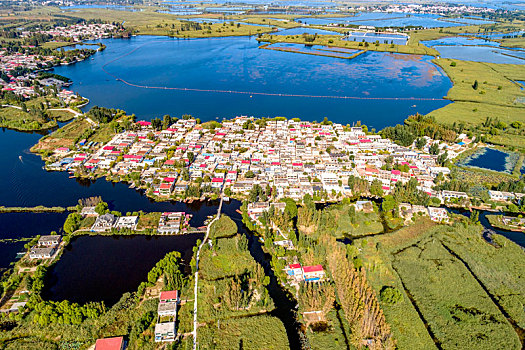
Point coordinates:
[[194, 333]]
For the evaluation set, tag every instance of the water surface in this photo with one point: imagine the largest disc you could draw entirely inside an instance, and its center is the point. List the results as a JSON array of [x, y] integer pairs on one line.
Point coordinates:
[[237, 64], [25, 225], [102, 268], [381, 19]]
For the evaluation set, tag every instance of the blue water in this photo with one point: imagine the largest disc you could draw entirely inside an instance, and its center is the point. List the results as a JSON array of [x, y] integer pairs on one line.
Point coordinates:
[[461, 48], [238, 64], [373, 37], [481, 54], [24, 225], [89, 263], [303, 30], [78, 46], [385, 20], [26, 184], [317, 49], [459, 41], [491, 159]]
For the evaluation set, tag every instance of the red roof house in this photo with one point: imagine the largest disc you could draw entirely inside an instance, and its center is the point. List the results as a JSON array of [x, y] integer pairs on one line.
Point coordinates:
[[116, 343]]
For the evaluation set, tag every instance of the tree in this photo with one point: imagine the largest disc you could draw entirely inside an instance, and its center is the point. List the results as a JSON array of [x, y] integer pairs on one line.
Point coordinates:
[[376, 188], [390, 295], [223, 227], [249, 174], [290, 208], [389, 203], [434, 149], [101, 208], [72, 222], [420, 143], [191, 157]]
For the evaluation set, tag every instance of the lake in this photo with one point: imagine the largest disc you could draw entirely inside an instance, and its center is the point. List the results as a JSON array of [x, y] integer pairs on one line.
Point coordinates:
[[383, 19], [237, 64], [102, 268], [462, 48], [491, 159]]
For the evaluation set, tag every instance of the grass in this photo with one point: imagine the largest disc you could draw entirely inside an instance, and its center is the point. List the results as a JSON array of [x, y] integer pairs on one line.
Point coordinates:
[[336, 41], [455, 306], [17, 119], [56, 44], [409, 331], [501, 270], [497, 96], [148, 220], [63, 137], [333, 338], [450, 298], [248, 333], [289, 23], [225, 259], [494, 84], [148, 22]]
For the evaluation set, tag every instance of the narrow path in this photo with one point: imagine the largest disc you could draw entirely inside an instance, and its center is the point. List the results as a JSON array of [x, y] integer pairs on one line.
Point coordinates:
[[195, 323], [70, 110]]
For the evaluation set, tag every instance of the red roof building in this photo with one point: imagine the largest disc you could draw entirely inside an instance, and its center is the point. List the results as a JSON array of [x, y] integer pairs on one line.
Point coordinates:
[[116, 343], [169, 296]]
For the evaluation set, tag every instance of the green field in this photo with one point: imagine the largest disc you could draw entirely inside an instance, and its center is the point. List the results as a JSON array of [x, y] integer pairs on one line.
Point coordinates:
[[459, 283], [148, 22], [483, 90], [249, 333], [457, 309]]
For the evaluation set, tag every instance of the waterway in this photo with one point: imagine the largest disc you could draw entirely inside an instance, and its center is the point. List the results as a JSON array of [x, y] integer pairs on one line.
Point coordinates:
[[102, 268], [514, 236], [477, 50], [237, 64]]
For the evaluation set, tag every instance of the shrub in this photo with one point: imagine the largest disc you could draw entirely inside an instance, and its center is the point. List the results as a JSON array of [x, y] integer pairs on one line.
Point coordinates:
[[390, 295]]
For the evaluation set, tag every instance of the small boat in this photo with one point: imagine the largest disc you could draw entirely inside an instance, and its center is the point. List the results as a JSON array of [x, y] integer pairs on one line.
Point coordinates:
[[226, 199], [20, 157]]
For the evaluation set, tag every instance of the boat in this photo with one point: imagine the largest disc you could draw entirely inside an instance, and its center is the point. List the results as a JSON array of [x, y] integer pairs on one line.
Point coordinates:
[[20, 157], [226, 199]]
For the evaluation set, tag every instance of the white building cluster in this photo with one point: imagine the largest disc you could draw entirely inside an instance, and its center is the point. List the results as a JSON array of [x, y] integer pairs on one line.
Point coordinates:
[[292, 157], [80, 32]]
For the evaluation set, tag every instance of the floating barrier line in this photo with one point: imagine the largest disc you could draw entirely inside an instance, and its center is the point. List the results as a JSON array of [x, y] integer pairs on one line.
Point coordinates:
[[251, 92]]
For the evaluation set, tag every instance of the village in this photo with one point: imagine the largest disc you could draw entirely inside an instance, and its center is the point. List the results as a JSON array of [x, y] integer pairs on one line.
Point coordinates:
[[78, 32], [290, 157]]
